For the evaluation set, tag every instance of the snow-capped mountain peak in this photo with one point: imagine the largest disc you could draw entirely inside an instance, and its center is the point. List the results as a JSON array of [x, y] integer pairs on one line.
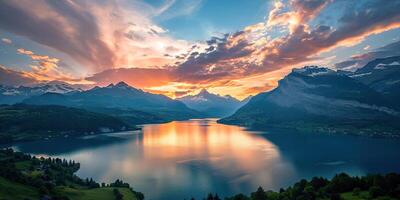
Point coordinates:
[[211, 104], [11, 95], [312, 71]]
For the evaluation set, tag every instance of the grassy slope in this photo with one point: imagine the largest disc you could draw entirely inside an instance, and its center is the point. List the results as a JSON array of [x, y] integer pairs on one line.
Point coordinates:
[[94, 194], [15, 191]]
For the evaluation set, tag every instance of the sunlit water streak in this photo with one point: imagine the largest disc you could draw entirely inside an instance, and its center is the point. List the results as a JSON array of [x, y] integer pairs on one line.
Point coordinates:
[[188, 159]]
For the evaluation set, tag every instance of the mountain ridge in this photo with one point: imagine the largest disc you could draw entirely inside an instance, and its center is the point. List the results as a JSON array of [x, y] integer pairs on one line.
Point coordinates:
[[383, 75], [212, 105], [318, 98], [12, 95], [120, 100]]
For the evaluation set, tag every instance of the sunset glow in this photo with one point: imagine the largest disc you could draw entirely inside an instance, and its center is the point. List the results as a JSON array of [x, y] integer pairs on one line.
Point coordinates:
[[176, 47]]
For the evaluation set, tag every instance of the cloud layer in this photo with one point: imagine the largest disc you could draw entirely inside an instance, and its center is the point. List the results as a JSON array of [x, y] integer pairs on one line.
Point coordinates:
[[253, 51], [118, 40], [98, 34]]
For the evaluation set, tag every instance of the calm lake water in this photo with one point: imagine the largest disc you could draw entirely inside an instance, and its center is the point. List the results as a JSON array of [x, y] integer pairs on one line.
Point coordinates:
[[188, 159]]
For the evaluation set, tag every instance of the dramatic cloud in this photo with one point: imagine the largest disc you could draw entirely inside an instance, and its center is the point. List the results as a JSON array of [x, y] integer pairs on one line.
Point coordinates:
[[119, 40], [302, 12], [38, 57], [98, 34], [141, 78], [62, 25], [253, 51], [45, 68]]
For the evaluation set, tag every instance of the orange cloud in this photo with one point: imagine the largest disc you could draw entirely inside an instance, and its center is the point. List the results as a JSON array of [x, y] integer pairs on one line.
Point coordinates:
[[303, 11], [252, 52], [258, 89], [118, 42], [46, 68], [137, 77]]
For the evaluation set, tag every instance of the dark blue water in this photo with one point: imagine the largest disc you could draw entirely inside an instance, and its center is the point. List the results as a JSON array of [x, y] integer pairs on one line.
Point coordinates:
[[192, 158]]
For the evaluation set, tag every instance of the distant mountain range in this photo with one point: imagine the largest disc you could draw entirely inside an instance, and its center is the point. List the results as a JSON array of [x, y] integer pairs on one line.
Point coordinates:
[[12, 95], [366, 101], [213, 105], [363, 102], [120, 100]]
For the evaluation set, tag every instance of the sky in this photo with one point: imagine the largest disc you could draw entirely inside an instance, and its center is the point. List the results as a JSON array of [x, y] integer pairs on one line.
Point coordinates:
[[178, 47]]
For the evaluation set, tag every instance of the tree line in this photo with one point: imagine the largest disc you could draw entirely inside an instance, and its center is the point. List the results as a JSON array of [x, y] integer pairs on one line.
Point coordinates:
[[373, 186]]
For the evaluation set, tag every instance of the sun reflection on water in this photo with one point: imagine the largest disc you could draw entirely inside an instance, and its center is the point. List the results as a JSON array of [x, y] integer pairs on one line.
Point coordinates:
[[187, 159]]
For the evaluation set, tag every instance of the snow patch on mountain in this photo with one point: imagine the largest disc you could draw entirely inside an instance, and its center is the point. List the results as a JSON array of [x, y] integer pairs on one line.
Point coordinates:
[[384, 66], [360, 75], [11, 92], [11, 95], [313, 71]]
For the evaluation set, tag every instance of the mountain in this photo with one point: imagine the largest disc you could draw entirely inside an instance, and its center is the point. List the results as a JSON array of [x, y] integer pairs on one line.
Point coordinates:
[[120, 100], [383, 75], [212, 105], [12, 95], [27, 122], [319, 98]]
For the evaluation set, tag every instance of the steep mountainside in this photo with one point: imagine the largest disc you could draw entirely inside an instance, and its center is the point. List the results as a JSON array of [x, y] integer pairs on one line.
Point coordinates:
[[25, 122], [313, 97], [383, 75], [119, 100], [212, 105]]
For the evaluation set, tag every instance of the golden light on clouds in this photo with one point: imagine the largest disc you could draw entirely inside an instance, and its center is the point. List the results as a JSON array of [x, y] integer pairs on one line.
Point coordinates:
[[111, 41]]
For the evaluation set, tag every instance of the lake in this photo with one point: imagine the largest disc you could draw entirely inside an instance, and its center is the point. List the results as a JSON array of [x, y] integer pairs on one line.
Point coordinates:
[[187, 159]]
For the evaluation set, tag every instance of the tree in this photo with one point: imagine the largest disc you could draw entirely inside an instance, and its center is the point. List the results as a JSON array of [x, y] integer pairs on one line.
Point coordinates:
[[43, 190], [139, 195], [375, 191], [239, 197], [356, 191], [259, 194], [309, 192], [117, 194], [335, 196], [318, 182], [210, 197], [342, 183]]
